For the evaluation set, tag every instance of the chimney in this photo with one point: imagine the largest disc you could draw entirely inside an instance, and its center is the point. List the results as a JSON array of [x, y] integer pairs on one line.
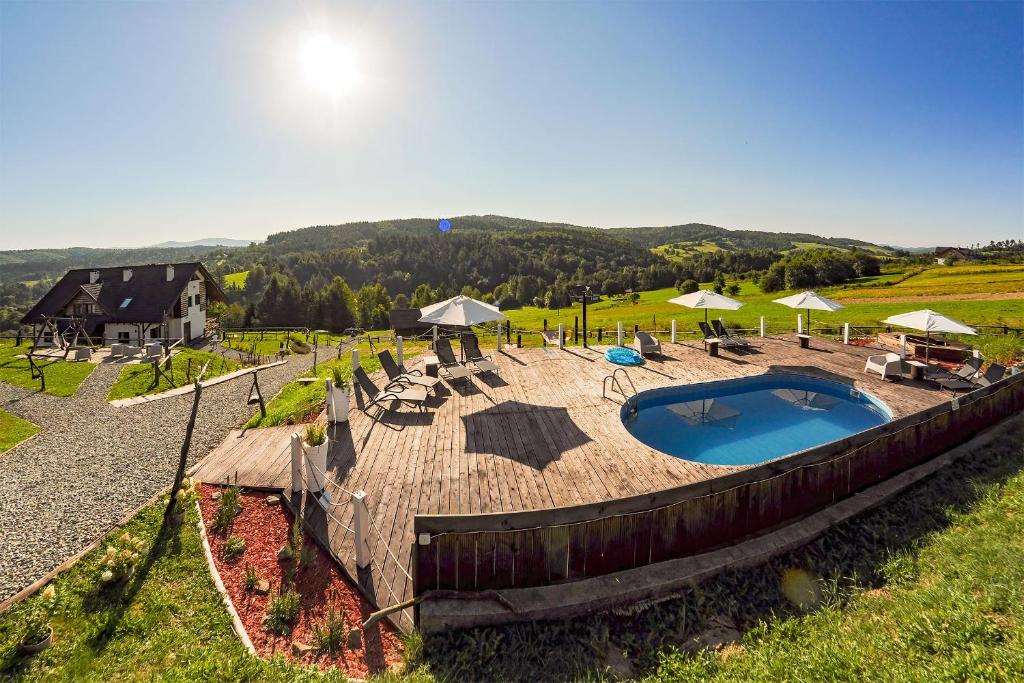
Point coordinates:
[[126, 274], [170, 272], [94, 277]]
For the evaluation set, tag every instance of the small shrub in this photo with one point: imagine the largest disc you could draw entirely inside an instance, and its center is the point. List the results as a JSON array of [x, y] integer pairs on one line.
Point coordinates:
[[230, 504], [282, 612], [37, 623], [233, 548], [316, 434], [119, 559], [186, 495], [251, 578], [331, 634]]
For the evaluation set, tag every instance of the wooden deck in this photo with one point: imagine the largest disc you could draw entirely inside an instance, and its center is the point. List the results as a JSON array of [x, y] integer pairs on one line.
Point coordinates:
[[539, 435]]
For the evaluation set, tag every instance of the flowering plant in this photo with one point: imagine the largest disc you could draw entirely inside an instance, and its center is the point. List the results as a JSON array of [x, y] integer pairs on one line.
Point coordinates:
[[186, 495], [119, 559]]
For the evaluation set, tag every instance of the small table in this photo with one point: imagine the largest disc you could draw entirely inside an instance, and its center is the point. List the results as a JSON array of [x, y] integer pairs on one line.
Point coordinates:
[[805, 340], [917, 369], [431, 365], [712, 345]]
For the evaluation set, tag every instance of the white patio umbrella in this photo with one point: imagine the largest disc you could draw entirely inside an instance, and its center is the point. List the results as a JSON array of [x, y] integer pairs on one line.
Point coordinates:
[[461, 311], [808, 301], [929, 321], [706, 300]]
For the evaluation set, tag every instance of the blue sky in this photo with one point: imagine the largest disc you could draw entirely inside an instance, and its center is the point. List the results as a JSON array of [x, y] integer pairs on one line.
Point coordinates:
[[135, 123]]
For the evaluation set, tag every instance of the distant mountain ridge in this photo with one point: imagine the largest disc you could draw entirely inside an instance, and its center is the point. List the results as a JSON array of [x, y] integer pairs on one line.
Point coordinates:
[[205, 242]]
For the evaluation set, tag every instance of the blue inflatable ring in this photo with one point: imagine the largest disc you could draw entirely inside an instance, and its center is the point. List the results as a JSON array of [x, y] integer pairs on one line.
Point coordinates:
[[623, 356]]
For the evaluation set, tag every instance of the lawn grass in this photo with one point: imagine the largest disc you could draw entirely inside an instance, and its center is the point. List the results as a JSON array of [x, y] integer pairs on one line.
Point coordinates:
[[62, 377], [168, 623], [945, 280], [297, 401], [137, 379], [14, 430]]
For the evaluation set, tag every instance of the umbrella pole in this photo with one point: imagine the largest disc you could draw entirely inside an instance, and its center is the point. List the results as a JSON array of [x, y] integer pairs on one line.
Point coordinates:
[[927, 346]]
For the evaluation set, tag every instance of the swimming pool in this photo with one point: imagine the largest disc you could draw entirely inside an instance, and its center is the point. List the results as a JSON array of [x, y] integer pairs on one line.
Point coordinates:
[[750, 420]]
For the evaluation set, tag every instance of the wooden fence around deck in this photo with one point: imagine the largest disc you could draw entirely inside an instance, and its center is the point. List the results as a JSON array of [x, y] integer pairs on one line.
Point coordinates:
[[541, 547]]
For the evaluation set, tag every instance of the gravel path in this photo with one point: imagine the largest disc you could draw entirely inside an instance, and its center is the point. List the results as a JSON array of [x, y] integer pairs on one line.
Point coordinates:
[[92, 463]]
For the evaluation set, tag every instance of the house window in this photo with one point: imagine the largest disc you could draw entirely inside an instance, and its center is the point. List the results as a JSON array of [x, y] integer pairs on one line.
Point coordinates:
[[124, 304], [124, 337], [154, 333], [82, 309]]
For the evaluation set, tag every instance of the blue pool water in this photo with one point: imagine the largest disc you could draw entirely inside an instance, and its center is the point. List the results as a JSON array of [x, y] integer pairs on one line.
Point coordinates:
[[752, 419]]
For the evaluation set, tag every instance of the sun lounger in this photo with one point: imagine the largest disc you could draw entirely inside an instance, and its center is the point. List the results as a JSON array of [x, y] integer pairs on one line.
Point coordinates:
[[994, 373], [885, 364], [966, 371], [449, 364], [475, 357], [723, 333], [646, 344], [710, 335], [414, 396], [398, 373]]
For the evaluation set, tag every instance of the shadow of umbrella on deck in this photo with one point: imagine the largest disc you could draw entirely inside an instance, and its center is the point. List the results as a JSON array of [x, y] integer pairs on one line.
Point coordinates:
[[530, 434]]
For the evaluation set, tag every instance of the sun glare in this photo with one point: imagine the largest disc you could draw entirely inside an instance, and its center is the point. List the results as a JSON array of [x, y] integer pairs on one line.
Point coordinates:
[[327, 66]]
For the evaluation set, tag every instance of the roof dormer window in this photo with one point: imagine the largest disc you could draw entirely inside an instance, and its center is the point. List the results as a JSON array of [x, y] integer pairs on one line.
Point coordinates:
[[124, 304]]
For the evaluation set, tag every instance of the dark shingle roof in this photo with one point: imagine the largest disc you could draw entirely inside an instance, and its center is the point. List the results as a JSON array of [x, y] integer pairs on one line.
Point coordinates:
[[150, 291]]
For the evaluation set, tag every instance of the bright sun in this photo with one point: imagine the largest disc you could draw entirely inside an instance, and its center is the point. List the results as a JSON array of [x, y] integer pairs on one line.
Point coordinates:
[[328, 66]]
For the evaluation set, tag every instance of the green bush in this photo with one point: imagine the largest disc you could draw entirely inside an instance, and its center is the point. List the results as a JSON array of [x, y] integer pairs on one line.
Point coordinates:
[[282, 612], [233, 548]]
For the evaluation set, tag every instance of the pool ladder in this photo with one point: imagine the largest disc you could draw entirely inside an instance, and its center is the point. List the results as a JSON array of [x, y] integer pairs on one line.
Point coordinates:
[[614, 383]]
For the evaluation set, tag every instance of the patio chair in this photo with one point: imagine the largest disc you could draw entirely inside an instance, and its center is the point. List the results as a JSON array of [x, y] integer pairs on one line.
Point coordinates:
[[475, 357], [723, 333], [413, 396], [885, 364], [448, 362], [646, 344], [398, 373], [116, 350]]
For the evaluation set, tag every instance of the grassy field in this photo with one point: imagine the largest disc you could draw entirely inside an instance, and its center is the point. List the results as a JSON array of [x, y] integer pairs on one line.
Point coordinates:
[[654, 312], [62, 378], [946, 281], [297, 401], [168, 623], [236, 279], [137, 380], [14, 430]]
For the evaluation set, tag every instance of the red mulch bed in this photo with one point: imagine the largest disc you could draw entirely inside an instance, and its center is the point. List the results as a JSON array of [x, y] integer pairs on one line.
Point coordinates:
[[265, 529]]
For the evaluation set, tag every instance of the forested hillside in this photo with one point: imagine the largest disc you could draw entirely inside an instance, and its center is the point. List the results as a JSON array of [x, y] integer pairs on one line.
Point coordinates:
[[303, 276]]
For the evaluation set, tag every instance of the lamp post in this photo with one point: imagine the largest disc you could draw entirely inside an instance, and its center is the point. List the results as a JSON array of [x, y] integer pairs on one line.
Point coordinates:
[[584, 296]]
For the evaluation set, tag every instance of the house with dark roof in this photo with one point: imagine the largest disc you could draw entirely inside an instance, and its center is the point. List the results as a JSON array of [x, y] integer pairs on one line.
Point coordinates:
[[128, 304], [946, 255]]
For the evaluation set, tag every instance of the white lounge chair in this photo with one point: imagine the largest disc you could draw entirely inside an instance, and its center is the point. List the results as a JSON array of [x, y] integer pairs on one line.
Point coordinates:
[[646, 344], [885, 364]]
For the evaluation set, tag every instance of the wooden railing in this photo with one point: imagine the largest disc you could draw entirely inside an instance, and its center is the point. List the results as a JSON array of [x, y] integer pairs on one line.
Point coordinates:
[[542, 547]]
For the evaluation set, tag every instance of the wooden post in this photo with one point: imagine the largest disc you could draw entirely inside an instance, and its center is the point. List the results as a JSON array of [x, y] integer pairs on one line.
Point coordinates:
[[799, 323], [400, 350], [561, 335], [600, 334], [519, 340], [576, 330], [296, 462], [673, 331], [619, 342], [329, 385], [846, 333], [361, 526], [763, 328], [355, 358], [636, 328], [545, 324], [183, 457]]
